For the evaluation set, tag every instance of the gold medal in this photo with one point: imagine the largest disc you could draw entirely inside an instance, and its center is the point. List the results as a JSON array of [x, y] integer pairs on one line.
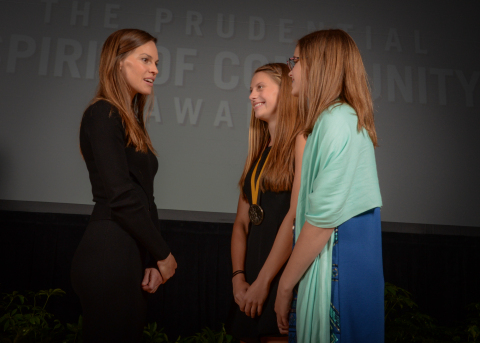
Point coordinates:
[[255, 212]]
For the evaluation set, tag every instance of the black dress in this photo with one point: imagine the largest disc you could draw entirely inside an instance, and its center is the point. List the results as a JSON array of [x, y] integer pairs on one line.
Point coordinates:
[[259, 243], [123, 235]]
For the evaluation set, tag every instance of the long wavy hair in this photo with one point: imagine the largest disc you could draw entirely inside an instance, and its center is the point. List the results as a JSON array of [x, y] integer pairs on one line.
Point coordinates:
[[114, 88], [333, 72], [279, 170]]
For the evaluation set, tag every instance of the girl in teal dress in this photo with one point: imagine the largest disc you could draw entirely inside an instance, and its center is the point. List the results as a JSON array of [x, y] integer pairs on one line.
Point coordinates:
[[337, 259]]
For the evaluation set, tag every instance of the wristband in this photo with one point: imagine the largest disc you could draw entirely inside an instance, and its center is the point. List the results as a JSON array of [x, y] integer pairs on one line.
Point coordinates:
[[235, 273]]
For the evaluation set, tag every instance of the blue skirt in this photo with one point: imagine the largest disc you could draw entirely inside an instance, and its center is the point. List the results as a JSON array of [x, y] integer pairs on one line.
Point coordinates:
[[357, 300]]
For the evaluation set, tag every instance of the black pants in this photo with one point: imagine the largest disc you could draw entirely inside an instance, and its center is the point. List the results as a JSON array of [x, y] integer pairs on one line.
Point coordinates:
[[107, 272]]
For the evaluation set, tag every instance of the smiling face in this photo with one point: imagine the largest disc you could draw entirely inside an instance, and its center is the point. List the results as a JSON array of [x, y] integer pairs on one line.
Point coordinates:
[[296, 74], [264, 96], [140, 68]]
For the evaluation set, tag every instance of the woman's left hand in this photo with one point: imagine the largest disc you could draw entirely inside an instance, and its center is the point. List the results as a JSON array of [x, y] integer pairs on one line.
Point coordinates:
[[282, 309], [152, 280], [255, 298]]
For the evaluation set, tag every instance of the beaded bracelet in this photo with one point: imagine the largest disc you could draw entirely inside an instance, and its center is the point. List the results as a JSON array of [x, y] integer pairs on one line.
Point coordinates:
[[235, 273]]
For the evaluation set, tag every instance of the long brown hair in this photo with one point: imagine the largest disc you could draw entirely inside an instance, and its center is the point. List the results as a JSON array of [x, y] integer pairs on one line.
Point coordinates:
[[114, 88], [333, 72], [279, 169]]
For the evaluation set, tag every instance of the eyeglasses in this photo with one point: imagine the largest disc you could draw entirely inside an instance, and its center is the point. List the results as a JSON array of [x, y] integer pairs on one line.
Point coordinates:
[[292, 61]]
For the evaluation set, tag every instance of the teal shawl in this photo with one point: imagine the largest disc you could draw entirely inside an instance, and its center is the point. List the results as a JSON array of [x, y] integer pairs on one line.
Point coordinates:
[[339, 181]]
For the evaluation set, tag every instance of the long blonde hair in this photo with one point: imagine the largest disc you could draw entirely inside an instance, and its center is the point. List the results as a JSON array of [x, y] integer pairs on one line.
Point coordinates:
[[114, 88], [279, 169], [333, 72]]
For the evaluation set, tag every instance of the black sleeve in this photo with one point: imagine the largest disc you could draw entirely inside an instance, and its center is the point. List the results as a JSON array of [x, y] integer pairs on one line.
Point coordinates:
[[150, 261], [106, 136]]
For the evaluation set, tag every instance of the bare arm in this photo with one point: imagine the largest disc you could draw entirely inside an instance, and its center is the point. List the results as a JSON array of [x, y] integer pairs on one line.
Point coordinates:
[[238, 250], [282, 247], [309, 245]]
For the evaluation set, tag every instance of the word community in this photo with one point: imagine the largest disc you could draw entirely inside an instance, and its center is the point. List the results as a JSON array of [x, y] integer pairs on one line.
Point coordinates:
[[222, 65]]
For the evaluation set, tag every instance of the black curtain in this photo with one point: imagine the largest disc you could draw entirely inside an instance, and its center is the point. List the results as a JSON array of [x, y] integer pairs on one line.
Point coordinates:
[[442, 272], [36, 250]]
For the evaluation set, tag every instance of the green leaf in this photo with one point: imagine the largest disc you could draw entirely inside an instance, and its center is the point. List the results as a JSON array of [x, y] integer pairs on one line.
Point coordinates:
[[57, 291], [473, 331]]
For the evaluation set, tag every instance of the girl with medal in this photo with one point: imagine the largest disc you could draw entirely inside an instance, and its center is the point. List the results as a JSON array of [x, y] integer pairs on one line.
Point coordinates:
[[262, 232], [337, 259]]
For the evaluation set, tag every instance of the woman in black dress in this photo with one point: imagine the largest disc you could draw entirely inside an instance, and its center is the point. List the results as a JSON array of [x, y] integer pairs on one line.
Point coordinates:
[[122, 254], [262, 232]]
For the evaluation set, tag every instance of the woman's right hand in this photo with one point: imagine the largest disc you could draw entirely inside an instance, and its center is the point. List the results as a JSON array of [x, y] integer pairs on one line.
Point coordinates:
[[167, 267], [283, 303], [240, 287]]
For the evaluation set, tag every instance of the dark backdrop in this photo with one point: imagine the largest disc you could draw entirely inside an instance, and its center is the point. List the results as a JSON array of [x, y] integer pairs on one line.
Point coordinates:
[[36, 250]]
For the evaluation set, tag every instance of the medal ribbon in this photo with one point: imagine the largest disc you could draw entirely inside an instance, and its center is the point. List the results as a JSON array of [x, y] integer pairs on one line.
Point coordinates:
[[256, 185]]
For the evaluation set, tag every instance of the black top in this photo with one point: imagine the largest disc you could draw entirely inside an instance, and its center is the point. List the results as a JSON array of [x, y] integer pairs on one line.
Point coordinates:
[[121, 178], [261, 237], [259, 244], [277, 201]]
